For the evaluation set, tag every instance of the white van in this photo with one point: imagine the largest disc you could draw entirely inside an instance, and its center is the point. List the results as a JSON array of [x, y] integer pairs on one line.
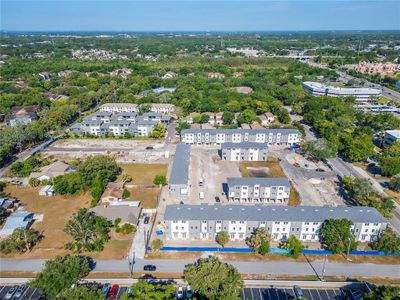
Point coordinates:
[[201, 181], [201, 195]]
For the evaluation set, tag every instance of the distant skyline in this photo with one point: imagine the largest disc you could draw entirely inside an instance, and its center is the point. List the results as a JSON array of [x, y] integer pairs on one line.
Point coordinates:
[[206, 15]]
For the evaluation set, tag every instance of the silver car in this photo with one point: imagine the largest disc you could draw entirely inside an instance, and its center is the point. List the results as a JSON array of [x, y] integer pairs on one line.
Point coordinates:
[[10, 293], [20, 291]]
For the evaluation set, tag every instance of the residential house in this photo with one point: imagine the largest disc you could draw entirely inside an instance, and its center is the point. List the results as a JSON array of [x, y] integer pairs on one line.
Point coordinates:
[[51, 171], [237, 74], [119, 107], [114, 192], [45, 76], [169, 75], [203, 222], [18, 219], [22, 115], [267, 119], [64, 73], [124, 73], [47, 190], [126, 213], [258, 190], [391, 136]]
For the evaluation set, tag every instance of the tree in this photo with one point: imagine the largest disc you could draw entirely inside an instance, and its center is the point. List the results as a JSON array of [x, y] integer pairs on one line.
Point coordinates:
[[126, 194], [90, 232], [21, 240], [126, 229], [294, 245], [223, 238], [383, 293], [157, 244], [158, 132], [388, 241], [228, 117], [126, 177], [213, 279], [247, 116], [259, 241], [394, 183], [60, 273], [34, 182], [160, 180], [321, 149], [390, 160], [143, 290], [81, 293], [357, 147], [337, 236]]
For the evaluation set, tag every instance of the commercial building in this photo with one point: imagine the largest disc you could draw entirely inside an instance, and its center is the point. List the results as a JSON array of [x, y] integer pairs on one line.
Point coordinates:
[[284, 137], [245, 151], [361, 94], [391, 136], [179, 178], [258, 190], [203, 222], [120, 124], [119, 107]]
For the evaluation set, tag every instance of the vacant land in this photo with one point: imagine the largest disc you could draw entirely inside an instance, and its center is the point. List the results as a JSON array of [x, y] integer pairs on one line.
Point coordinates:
[[146, 196], [394, 195], [143, 174], [56, 211], [261, 169]]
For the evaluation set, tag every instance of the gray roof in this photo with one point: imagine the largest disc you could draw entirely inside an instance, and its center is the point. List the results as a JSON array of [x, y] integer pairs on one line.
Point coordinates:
[[244, 145], [250, 131], [263, 181], [357, 214], [89, 121], [180, 167], [128, 214]]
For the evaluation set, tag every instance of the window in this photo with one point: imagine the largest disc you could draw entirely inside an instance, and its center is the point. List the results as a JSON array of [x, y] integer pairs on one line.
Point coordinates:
[[184, 235], [183, 228], [366, 230], [174, 221], [306, 229], [375, 224], [204, 222], [285, 223], [176, 227], [241, 222], [232, 235], [304, 236], [277, 223], [277, 229], [315, 223], [307, 223], [175, 235], [366, 224], [191, 227], [219, 222]]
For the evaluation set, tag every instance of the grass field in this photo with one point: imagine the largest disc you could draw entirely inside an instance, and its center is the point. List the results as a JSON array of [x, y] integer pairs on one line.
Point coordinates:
[[143, 174], [274, 169], [56, 211], [147, 197], [394, 195]]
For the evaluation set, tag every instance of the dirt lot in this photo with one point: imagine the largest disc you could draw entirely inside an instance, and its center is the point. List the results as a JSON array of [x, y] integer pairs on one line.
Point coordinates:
[[56, 211], [206, 163], [124, 151], [146, 196], [143, 174]]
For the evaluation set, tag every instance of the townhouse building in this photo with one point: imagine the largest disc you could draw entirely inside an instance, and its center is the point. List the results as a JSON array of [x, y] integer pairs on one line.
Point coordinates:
[[119, 107], [244, 151], [101, 123], [258, 190], [203, 222], [391, 136], [283, 137], [179, 177]]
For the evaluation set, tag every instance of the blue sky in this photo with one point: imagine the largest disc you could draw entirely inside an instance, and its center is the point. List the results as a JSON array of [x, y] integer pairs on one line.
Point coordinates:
[[206, 15]]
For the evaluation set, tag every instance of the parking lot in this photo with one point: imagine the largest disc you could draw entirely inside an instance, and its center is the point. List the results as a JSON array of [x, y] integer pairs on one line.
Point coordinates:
[[205, 163], [34, 294], [287, 294]]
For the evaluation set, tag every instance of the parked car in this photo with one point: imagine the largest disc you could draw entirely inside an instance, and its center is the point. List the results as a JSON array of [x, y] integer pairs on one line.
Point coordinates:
[[113, 291], [149, 268], [105, 289], [149, 148], [189, 292], [129, 291], [297, 291], [20, 291], [319, 170], [146, 220], [201, 181], [179, 294], [10, 293], [217, 199], [201, 195]]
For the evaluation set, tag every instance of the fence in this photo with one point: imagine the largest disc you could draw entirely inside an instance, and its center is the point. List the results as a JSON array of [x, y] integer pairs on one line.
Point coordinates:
[[271, 250]]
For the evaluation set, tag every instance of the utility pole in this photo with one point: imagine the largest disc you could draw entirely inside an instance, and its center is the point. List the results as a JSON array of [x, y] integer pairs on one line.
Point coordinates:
[[131, 262], [324, 267]]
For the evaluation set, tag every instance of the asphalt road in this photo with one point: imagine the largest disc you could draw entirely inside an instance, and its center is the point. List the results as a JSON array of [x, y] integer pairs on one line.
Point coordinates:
[[270, 268]]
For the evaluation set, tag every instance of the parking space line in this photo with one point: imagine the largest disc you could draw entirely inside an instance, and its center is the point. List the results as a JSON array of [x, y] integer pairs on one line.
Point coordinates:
[[309, 293], [25, 291], [326, 293], [259, 292], [242, 295], [319, 294]]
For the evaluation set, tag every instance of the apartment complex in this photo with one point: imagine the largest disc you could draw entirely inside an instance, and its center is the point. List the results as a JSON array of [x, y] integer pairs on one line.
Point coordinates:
[[245, 151], [119, 107], [119, 124], [284, 137], [163, 108], [203, 222], [179, 178], [361, 94], [258, 190], [391, 136]]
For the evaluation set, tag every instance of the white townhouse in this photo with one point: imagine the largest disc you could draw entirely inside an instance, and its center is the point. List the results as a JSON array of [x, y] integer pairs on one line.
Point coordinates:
[[119, 107]]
